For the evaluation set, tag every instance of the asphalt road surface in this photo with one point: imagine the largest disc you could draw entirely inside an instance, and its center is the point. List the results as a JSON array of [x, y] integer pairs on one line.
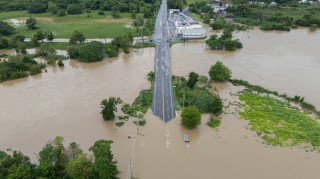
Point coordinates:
[[163, 103]]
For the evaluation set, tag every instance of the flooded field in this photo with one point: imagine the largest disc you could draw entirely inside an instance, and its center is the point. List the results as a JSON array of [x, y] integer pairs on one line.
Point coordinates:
[[65, 102]]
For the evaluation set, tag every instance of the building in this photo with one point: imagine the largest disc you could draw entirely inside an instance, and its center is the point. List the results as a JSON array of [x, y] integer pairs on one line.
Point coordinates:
[[185, 27]]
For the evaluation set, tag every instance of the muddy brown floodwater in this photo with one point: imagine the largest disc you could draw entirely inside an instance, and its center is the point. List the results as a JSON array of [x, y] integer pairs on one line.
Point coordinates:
[[65, 102]]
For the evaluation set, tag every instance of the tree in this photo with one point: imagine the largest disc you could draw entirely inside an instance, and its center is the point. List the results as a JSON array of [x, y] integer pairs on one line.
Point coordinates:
[[77, 37], [151, 76], [126, 42], [219, 72], [80, 167], [109, 107], [104, 166], [6, 29], [193, 79], [50, 36], [37, 7], [61, 13], [91, 52], [16, 166], [115, 12], [54, 154], [73, 52], [53, 8], [39, 35], [31, 23], [191, 117], [74, 9], [175, 4]]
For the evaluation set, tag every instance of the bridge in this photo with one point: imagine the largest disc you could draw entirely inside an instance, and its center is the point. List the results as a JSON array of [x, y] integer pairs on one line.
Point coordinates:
[[163, 103]]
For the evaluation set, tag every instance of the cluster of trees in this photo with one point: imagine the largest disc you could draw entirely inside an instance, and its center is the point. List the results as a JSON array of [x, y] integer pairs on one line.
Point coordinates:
[[58, 161], [60, 7], [309, 20], [176, 4], [194, 94], [224, 41], [95, 51], [18, 67], [201, 8], [252, 15]]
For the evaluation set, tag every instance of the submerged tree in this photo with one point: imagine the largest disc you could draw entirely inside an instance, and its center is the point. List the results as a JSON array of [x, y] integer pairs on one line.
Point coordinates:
[[191, 117], [193, 79], [109, 107], [219, 72], [104, 166]]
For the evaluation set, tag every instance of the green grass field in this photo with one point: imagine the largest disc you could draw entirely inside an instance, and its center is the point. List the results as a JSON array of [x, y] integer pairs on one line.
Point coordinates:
[[279, 123], [95, 26]]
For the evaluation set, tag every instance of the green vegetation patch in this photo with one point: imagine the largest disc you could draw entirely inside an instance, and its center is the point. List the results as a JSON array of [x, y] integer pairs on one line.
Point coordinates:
[[140, 106], [199, 95], [18, 67], [279, 123], [214, 123], [119, 124]]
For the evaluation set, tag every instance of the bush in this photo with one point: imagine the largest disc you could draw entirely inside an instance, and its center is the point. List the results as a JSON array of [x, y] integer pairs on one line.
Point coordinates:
[[191, 117], [77, 37], [214, 122], [35, 70], [60, 63], [74, 9], [61, 13], [46, 50], [219, 72], [6, 29], [31, 23], [73, 52], [100, 12], [91, 52], [4, 43]]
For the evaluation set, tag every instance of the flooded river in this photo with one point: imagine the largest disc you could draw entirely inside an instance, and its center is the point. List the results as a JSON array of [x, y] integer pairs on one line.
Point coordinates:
[[65, 101]]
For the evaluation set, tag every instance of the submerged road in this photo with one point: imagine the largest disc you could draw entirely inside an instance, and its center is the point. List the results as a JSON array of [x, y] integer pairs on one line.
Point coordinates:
[[163, 103]]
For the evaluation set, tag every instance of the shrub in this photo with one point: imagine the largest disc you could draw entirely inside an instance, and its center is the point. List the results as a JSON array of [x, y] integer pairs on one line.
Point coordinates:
[[6, 29], [91, 52], [214, 122], [74, 9], [219, 72], [35, 69], [73, 52], [61, 13], [4, 43], [100, 12], [77, 37], [46, 50], [191, 117], [60, 63]]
